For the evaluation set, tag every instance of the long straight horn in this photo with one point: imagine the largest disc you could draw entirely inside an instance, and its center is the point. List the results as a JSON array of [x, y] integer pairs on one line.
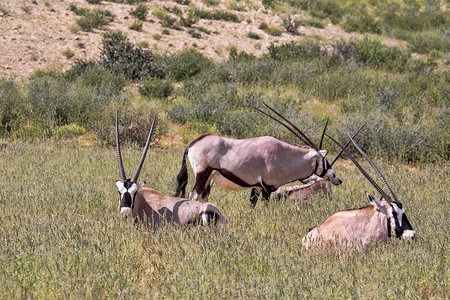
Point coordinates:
[[386, 185], [323, 133], [144, 153], [374, 184], [123, 177], [307, 140], [346, 144], [288, 128]]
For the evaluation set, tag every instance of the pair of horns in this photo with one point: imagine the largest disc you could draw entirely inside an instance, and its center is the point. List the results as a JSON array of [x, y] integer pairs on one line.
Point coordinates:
[[294, 130], [390, 198], [135, 177], [298, 133]]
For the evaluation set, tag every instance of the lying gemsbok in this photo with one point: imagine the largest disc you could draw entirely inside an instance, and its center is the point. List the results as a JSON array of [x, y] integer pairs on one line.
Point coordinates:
[[302, 193], [358, 228], [153, 208], [263, 162]]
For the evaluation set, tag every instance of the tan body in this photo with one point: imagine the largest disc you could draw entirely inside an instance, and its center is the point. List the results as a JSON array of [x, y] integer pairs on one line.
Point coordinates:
[[153, 209], [260, 160], [304, 192], [350, 228]]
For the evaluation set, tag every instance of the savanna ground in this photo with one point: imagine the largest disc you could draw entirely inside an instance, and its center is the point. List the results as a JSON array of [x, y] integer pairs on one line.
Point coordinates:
[[61, 236]]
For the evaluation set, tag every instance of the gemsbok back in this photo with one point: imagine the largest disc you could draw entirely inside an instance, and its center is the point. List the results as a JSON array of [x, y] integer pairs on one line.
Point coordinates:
[[358, 228], [154, 208], [261, 163]]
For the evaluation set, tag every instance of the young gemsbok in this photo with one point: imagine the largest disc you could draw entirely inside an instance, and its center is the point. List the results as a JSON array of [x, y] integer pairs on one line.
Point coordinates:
[[358, 228], [302, 193], [261, 163], [153, 208]]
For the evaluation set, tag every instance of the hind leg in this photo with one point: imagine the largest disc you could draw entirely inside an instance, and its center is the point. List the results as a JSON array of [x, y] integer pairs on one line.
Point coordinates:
[[201, 187], [254, 197]]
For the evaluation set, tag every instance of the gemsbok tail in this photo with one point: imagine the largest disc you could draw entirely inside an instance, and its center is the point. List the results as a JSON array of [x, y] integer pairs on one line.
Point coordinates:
[[182, 177]]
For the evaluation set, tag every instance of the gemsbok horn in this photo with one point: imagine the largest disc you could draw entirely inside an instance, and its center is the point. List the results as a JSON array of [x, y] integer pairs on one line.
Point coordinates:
[[261, 163], [152, 207], [358, 228]]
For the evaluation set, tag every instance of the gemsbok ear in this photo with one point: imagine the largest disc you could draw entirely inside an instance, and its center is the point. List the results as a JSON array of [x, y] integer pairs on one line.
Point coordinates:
[[323, 153], [373, 200], [140, 184]]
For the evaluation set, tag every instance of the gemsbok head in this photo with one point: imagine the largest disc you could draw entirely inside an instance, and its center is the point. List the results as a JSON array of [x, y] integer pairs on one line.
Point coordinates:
[[302, 193], [261, 163], [154, 208], [358, 228]]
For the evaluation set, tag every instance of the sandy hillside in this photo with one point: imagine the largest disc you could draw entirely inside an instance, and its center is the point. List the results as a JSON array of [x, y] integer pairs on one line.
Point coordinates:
[[35, 34]]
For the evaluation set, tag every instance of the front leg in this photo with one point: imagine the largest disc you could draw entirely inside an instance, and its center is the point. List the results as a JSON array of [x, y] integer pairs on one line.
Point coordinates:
[[254, 197]]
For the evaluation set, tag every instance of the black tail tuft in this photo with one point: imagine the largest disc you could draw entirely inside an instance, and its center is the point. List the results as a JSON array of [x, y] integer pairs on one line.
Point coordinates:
[[182, 177]]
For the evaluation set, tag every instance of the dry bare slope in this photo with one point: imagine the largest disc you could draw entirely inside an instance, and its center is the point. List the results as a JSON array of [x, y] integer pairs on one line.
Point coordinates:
[[35, 34]]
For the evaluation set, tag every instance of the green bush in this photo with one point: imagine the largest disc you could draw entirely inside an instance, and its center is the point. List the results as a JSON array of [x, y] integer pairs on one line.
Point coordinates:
[[187, 64], [157, 88], [120, 56], [136, 25], [216, 15], [253, 35], [13, 107], [140, 12], [428, 41], [295, 51], [69, 131], [362, 22], [93, 19]]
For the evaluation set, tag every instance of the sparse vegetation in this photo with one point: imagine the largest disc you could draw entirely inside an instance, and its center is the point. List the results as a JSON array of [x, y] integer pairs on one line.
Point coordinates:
[[92, 19], [136, 25], [68, 53], [253, 35], [140, 12]]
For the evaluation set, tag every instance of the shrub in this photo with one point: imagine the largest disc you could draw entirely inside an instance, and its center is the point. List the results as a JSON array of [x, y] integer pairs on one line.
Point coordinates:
[[187, 64], [93, 1], [13, 108], [275, 31], [253, 35], [140, 12], [137, 25], [156, 87], [69, 131], [68, 53], [92, 19], [295, 51], [216, 15], [362, 22], [428, 41], [291, 25], [119, 55], [164, 18]]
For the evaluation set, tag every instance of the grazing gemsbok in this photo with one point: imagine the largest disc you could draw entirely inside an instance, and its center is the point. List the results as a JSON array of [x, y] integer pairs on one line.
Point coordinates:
[[262, 162], [153, 208], [303, 192], [358, 228]]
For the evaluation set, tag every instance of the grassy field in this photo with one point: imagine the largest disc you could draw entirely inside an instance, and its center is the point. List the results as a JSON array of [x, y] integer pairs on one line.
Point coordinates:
[[60, 236]]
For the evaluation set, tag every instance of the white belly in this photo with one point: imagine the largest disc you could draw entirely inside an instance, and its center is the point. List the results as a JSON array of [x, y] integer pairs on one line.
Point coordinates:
[[225, 183]]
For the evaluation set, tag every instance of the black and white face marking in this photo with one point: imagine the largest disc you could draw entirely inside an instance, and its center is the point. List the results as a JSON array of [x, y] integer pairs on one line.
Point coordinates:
[[127, 191], [399, 223], [328, 173]]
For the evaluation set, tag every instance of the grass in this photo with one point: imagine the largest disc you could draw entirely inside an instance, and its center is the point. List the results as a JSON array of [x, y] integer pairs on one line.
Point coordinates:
[[61, 237]]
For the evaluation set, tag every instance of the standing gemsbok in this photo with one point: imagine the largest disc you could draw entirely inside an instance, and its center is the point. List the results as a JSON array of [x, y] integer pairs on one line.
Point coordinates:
[[358, 228], [153, 208], [263, 162]]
